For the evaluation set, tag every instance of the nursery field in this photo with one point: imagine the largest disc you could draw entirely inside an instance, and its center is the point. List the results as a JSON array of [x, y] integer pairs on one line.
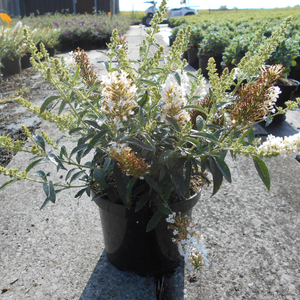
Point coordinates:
[[227, 35]]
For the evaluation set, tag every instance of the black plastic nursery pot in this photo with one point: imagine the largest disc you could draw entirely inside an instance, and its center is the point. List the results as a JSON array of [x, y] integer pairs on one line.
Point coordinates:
[[130, 248], [25, 61], [11, 66], [203, 62], [192, 58], [287, 93]]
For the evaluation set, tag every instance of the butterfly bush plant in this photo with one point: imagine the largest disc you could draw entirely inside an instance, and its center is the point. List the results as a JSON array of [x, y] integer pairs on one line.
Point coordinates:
[[148, 133]]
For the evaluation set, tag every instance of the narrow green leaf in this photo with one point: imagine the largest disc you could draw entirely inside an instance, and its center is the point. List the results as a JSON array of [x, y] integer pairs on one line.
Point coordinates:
[[93, 124], [174, 124], [32, 165], [39, 141], [136, 142], [223, 168], [216, 173], [41, 174], [49, 190], [162, 208], [7, 183], [143, 100], [100, 178], [62, 107], [75, 130], [78, 148], [121, 186], [143, 200], [263, 171], [207, 136], [251, 135], [45, 203], [77, 175], [141, 117], [63, 151], [196, 107], [148, 82], [129, 188], [70, 173], [165, 156], [177, 77], [80, 193], [106, 164], [154, 220], [47, 102], [194, 142], [96, 139], [55, 160], [153, 184]]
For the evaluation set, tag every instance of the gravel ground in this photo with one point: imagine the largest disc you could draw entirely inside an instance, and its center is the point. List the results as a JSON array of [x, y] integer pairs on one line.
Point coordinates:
[[33, 88]]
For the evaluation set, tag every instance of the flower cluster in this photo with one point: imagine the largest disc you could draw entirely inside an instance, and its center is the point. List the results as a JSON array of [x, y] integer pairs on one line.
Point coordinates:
[[119, 97], [189, 242], [287, 146], [129, 163], [173, 99], [255, 100]]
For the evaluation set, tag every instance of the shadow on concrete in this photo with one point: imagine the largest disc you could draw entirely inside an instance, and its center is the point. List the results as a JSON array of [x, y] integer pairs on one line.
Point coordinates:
[[109, 283], [279, 129]]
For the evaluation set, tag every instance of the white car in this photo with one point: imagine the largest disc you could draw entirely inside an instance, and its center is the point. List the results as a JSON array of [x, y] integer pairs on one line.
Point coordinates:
[[173, 12]]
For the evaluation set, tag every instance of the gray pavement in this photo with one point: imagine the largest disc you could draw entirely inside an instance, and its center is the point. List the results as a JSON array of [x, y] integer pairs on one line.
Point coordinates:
[[252, 236]]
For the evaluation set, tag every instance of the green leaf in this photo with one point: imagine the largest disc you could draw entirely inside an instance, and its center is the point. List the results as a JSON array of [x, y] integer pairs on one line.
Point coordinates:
[[55, 160], [45, 202], [216, 173], [223, 168], [263, 171], [121, 186], [63, 151], [148, 82], [39, 141], [93, 124], [194, 142], [7, 183], [199, 123], [154, 220], [100, 178], [153, 184], [141, 117], [196, 107], [61, 107], [41, 174], [80, 193], [77, 175], [47, 102], [70, 173], [165, 156], [162, 208], [49, 190], [143, 100], [140, 144], [106, 164], [174, 124], [129, 188], [75, 130], [251, 135], [177, 77], [78, 148], [96, 139], [207, 136], [143, 200], [32, 165]]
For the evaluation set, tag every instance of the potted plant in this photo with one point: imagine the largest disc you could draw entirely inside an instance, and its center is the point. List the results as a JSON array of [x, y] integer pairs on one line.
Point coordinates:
[[212, 45], [12, 40], [145, 140], [285, 54]]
